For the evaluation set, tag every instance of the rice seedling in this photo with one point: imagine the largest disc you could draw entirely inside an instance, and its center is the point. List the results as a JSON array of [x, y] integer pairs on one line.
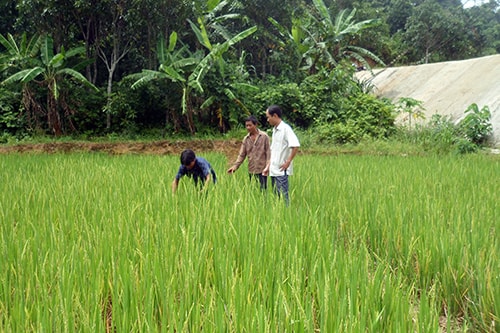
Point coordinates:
[[93, 242]]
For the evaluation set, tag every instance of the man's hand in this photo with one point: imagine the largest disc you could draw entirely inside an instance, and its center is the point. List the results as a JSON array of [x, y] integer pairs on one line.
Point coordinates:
[[174, 185], [285, 165]]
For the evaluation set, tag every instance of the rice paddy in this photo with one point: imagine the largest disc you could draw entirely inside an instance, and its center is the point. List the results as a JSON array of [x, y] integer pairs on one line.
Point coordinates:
[[95, 242]]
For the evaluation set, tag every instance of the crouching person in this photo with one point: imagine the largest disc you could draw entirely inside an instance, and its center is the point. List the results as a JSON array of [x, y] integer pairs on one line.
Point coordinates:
[[194, 167]]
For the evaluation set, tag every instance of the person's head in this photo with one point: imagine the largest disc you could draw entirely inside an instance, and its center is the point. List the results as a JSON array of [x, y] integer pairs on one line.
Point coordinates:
[[251, 124], [188, 158], [273, 115]]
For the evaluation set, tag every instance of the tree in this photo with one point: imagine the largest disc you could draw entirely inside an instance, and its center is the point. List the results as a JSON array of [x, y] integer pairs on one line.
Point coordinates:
[[116, 44], [176, 65], [47, 17], [19, 56], [188, 69], [296, 41], [50, 72], [434, 30], [333, 37], [263, 47], [483, 25]]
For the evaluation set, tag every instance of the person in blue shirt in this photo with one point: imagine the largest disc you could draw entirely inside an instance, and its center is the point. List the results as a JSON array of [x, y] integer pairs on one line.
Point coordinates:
[[197, 168]]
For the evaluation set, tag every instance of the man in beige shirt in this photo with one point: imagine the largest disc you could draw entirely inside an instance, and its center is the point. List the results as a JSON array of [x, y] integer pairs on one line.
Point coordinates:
[[256, 147]]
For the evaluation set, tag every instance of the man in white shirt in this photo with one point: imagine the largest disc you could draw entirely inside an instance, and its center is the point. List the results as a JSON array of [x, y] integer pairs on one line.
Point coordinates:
[[284, 147]]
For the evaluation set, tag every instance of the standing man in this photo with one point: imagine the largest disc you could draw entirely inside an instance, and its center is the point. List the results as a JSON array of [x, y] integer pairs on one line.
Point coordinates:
[[284, 147], [256, 147], [196, 167]]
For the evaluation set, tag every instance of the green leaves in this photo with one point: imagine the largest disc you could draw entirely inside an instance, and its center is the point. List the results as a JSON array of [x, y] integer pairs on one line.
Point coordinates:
[[48, 70], [47, 50], [321, 40], [476, 125]]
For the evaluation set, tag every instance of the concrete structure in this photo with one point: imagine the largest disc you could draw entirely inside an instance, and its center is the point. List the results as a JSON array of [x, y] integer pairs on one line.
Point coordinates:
[[446, 88]]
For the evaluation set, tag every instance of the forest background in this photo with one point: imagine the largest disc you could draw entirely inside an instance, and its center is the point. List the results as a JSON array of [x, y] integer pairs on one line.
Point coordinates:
[[165, 68]]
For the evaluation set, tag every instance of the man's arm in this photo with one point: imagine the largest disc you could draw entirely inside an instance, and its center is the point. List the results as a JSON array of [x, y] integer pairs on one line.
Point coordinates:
[[290, 159], [175, 183], [207, 182], [241, 157], [265, 172]]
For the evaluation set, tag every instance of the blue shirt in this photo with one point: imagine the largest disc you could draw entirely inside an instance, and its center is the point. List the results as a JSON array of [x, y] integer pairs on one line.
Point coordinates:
[[200, 170]]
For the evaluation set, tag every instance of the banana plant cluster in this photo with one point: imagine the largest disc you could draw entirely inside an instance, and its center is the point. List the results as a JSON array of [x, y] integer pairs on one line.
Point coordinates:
[[188, 68], [35, 63], [318, 40]]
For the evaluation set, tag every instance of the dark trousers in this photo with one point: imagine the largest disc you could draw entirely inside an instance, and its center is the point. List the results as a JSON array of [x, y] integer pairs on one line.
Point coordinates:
[[262, 179], [280, 187]]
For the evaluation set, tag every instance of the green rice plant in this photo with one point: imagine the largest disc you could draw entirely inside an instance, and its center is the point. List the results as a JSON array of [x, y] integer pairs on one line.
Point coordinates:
[[95, 242]]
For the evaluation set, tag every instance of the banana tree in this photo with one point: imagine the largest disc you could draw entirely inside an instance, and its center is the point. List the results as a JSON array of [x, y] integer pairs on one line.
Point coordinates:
[[19, 56], [176, 65], [50, 71], [333, 35], [206, 29], [187, 68], [297, 40]]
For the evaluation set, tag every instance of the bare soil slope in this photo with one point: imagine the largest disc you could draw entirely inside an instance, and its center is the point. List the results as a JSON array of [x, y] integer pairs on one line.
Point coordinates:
[[230, 148], [446, 88]]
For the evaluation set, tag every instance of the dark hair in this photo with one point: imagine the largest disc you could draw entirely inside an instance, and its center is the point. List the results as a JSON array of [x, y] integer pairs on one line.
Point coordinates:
[[187, 156], [274, 110], [252, 119]]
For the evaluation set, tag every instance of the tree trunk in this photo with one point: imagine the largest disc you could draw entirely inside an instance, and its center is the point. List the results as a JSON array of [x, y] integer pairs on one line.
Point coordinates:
[[109, 90], [53, 117]]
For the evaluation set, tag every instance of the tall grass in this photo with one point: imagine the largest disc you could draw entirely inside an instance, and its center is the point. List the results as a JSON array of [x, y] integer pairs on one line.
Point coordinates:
[[92, 242]]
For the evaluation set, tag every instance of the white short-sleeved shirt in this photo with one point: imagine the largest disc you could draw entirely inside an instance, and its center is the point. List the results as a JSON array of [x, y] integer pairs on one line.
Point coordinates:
[[282, 142]]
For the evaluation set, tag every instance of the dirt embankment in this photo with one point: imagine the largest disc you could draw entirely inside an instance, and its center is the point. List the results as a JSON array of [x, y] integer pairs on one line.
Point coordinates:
[[230, 148], [446, 88]]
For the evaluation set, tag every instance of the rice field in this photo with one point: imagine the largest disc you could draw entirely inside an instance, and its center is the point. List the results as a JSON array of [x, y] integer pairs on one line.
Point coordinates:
[[98, 243]]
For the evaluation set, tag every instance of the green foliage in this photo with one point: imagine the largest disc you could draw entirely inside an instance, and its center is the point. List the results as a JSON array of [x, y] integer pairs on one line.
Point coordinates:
[[412, 108], [333, 103], [333, 34], [49, 70], [439, 135], [442, 136], [298, 42], [288, 95], [360, 116], [476, 126], [373, 116], [10, 119], [89, 121], [336, 133]]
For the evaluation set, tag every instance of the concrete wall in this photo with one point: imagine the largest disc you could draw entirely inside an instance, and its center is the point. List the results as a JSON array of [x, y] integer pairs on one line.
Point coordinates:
[[446, 88]]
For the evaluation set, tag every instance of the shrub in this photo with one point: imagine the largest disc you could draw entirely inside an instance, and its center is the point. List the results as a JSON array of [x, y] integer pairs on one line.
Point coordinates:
[[476, 126], [361, 115], [336, 133], [440, 135], [287, 95], [11, 121]]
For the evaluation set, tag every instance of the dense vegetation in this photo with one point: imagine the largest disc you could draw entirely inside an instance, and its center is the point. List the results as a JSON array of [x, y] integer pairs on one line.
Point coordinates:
[[163, 67]]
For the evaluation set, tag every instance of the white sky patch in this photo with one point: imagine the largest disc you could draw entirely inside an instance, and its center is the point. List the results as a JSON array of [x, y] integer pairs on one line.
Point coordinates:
[[471, 3]]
